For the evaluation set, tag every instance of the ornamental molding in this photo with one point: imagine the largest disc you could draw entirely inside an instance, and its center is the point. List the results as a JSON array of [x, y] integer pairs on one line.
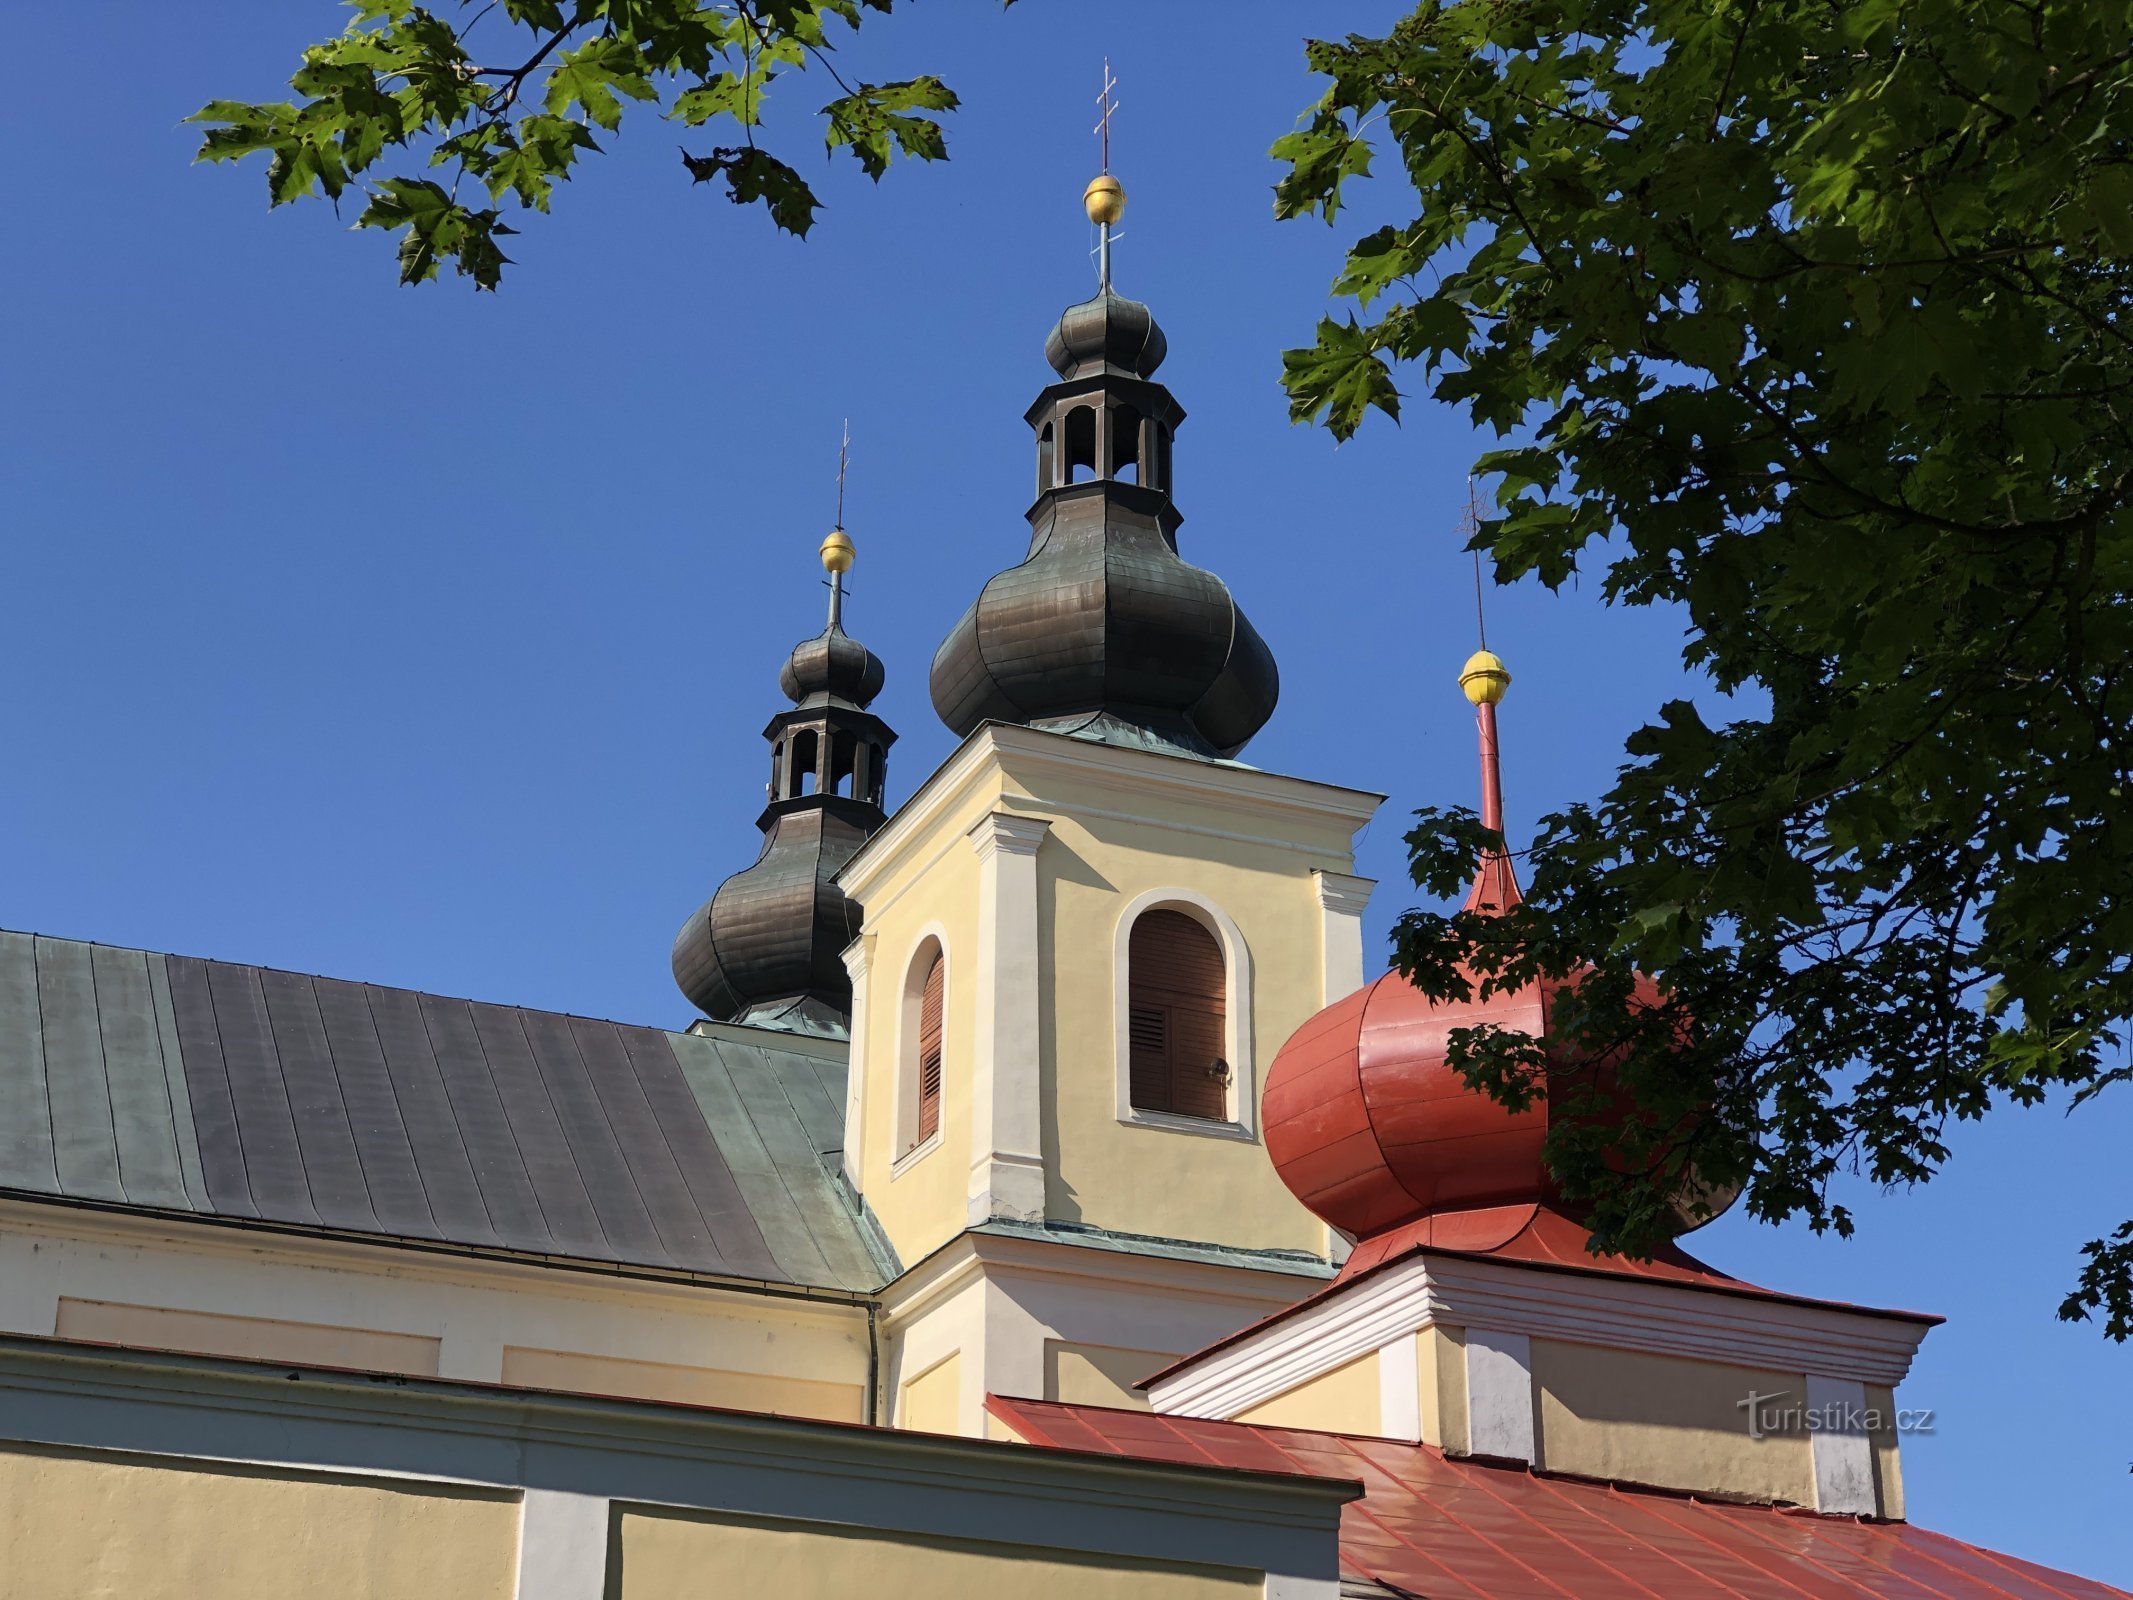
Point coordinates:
[[1000, 746], [1578, 1308], [1343, 892]]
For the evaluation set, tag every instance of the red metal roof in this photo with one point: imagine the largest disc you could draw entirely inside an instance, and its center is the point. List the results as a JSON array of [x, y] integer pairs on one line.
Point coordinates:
[[1446, 1529]]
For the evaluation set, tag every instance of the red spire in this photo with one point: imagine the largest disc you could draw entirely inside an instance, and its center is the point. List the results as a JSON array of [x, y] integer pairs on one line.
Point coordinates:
[[1495, 883]]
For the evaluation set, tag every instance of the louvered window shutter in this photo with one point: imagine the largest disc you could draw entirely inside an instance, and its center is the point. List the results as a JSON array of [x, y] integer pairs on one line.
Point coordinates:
[[930, 1010], [1176, 1022]]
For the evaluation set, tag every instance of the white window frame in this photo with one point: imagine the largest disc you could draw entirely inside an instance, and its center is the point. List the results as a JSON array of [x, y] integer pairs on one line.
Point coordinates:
[[911, 997], [1243, 1119]]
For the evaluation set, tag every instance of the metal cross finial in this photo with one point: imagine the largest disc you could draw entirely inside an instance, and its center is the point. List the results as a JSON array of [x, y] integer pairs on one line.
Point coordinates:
[[1107, 105]]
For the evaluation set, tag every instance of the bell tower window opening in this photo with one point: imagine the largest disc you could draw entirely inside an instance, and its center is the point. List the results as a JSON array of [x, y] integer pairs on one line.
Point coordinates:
[[804, 760], [1080, 444], [1177, 1018], [1125, 444], [1044, 459], [844, 754]]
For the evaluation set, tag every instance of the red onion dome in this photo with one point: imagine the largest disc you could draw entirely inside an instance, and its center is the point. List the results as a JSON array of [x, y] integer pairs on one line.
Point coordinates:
[[1370, 1126]]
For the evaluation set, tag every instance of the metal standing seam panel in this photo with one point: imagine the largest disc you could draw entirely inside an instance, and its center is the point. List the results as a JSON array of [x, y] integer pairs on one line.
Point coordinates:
[[822, 1119], [391, 1176], [571, 1224], [325, 1138], [181, 1100], [207, 1084], [785, 1231], [610, 1069], [141, 1118], [514, 1210], [737, 1238], [266, 1123], [84, 1144], [26, 1160], [624, 1218], [451, 1190], [798, 1162]]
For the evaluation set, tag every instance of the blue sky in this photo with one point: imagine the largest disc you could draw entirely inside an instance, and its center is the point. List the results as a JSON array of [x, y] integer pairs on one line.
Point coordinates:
[[427, 638]]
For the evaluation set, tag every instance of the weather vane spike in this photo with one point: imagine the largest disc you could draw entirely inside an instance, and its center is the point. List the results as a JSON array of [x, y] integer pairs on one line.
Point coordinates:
[[837, 550], [1104, 199], [1470, 525], [844, 456]]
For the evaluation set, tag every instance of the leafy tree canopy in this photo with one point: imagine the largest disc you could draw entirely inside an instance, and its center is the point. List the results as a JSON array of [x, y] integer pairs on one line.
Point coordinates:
[[505, 98], [1810, 317]]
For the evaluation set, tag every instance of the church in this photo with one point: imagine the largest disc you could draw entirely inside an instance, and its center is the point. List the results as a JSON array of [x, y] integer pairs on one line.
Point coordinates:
[[1047, 1195]]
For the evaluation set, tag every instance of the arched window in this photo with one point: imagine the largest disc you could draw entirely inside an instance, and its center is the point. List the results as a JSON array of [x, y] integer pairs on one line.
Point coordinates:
[[1176, 1019], [921, 1048], [933, 999]]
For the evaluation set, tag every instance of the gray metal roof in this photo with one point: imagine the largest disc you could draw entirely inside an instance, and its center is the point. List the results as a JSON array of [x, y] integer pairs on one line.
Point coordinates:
[[178, 1085]]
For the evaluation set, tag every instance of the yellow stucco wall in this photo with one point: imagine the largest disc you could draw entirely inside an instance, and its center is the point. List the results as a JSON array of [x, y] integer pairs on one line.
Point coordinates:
[[933, 1401], [255, 1338], [1440, 1386], [699, 1386], [1663, 1420], [92, 1527], [1344, 1400], [669, 1556], [1089, 869], [1113, 837], [920, 1201], [1098, 1375]]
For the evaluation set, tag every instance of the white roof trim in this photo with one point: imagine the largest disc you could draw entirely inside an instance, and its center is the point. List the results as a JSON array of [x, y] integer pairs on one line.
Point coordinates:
[[1616, 1313]]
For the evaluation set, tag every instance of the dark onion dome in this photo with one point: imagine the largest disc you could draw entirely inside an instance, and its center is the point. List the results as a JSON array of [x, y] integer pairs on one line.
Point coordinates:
[[1109, 334], [1104, 631], [833, 664], [767, 949]]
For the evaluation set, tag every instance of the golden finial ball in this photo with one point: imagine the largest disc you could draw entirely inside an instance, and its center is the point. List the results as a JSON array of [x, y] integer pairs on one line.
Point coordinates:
[[1104, 199], [838, 551], [1484, 678]]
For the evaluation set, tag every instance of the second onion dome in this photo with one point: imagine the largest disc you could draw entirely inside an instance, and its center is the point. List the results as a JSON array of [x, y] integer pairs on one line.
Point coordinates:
[[1103, 630], [767, 949]]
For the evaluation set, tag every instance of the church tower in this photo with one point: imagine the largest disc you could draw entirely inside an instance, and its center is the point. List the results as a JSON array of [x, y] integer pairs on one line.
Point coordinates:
[[1085, 934], [766, 949]]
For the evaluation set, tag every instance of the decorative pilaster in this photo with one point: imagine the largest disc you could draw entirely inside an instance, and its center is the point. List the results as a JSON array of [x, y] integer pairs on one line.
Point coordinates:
[[1341, 899], [1006, 1109], [858, 961], [1843, 1451], [1499, 1395]]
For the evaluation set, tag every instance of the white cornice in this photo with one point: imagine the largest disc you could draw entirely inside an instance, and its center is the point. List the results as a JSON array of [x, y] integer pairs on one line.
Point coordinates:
[[1024, 751], [1616, 1313], [1255, 1291], [1343, 892]]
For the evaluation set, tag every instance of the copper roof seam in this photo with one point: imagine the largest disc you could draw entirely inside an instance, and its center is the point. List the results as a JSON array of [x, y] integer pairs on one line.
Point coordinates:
[[1361, 1508]]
